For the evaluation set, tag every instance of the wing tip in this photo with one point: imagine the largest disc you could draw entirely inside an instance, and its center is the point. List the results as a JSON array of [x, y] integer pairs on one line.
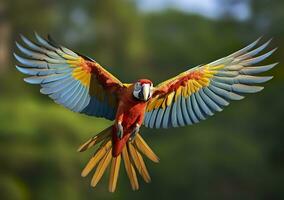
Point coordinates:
[[30, 80], [17, 57], [17, 44], [51, 41], [37, 35], [265, 79], [269, 78], [260, 89], [21, 69]]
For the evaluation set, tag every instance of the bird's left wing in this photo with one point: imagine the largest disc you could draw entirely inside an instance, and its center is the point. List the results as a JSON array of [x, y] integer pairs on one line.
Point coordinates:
[[198, 93], [70, 79]]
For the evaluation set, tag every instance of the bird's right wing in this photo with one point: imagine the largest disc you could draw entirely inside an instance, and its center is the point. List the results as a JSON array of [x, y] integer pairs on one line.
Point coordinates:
[[70, 79]]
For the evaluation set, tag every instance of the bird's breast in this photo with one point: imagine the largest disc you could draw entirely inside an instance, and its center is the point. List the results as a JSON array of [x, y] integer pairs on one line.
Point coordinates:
[[132, 114], [132, 109]]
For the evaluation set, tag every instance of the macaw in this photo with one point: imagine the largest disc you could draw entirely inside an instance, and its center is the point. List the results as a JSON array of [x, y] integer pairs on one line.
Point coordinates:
[[82, 85]]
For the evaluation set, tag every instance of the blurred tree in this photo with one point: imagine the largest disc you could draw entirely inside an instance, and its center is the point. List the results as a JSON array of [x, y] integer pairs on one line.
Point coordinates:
[[5, 32]]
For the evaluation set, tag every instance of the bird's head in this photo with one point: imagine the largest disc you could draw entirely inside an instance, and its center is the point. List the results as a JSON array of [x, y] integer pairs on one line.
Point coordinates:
[[143, 89]]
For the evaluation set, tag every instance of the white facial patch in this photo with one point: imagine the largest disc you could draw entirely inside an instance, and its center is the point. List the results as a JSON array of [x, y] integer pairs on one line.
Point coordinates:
[[143, 91], [137, 89]]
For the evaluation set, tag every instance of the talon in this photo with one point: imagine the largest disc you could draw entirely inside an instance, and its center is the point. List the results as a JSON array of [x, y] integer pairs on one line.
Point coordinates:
[[134, 133], [119, 134], [120, 130], [132, 137]]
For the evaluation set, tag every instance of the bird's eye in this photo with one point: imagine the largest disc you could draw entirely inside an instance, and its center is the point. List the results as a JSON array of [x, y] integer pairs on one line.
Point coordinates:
[[137, 86]]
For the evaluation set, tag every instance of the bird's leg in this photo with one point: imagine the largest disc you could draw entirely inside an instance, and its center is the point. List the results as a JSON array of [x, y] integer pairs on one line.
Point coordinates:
[[134, 132], [119, 130]]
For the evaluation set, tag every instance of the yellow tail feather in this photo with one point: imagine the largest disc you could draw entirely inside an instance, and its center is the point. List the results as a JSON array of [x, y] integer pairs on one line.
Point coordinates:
[[130, 169], [96, 139], [105, 147], [145, 149], [101, 168], [114, 172], [131, 155], [139, 163]]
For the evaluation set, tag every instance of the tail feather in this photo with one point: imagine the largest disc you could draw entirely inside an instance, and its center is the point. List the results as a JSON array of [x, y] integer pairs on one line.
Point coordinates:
[[101, 168], [114, 172], [96, 139], [140, 144], [130, 169], [139, 163], [100, 153], [131, 155]]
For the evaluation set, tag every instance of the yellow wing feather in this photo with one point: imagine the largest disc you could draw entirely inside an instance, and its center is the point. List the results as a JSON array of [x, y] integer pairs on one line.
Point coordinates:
[[196, 80]]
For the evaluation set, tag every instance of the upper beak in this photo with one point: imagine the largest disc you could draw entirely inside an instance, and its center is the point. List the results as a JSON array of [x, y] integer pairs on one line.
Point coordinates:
[[146, 89]]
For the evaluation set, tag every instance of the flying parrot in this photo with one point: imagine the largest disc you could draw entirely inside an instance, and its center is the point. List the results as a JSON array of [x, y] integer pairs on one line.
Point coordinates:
[[82, 85]]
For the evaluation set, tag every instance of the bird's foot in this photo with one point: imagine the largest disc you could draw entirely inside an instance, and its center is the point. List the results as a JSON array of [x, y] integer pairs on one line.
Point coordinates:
[[134, 133], [119, 130]]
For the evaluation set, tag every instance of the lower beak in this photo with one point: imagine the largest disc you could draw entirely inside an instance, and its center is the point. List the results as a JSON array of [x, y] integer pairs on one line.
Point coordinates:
[[146, 91]]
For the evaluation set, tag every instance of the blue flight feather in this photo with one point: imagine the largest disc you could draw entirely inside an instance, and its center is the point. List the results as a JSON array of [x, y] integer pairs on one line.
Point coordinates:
[[153, 118], [203, 105], [66, 94], [245, 49], [257, 69], [179, 112], [59, 88], [159, 118], [190, 110], [35, 47], [196, 108], [205, 94], [173, 115], [254, 52], [247, 79], [225, 94], [166, 117], [211, 95], [44, 43], [258, 59], [185, 112]]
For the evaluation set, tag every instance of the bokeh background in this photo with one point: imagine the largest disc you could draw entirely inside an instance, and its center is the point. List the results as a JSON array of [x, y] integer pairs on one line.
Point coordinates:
[[237, 154]]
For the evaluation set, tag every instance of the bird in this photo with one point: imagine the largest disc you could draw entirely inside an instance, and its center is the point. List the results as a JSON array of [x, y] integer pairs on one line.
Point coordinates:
[[82, 85]]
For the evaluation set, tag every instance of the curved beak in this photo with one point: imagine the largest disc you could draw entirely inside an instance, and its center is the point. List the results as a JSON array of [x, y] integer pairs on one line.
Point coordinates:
[[146, 90]]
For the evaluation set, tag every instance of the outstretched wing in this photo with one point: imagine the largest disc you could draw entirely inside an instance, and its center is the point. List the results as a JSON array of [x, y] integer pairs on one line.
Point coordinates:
[[198, 93], [70, 79]]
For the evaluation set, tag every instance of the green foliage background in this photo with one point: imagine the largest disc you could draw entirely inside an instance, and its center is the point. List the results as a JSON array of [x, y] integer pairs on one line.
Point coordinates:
[[237, 154]]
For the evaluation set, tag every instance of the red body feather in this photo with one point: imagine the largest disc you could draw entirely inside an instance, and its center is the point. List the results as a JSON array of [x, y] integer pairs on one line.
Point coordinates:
[[130, 112]]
